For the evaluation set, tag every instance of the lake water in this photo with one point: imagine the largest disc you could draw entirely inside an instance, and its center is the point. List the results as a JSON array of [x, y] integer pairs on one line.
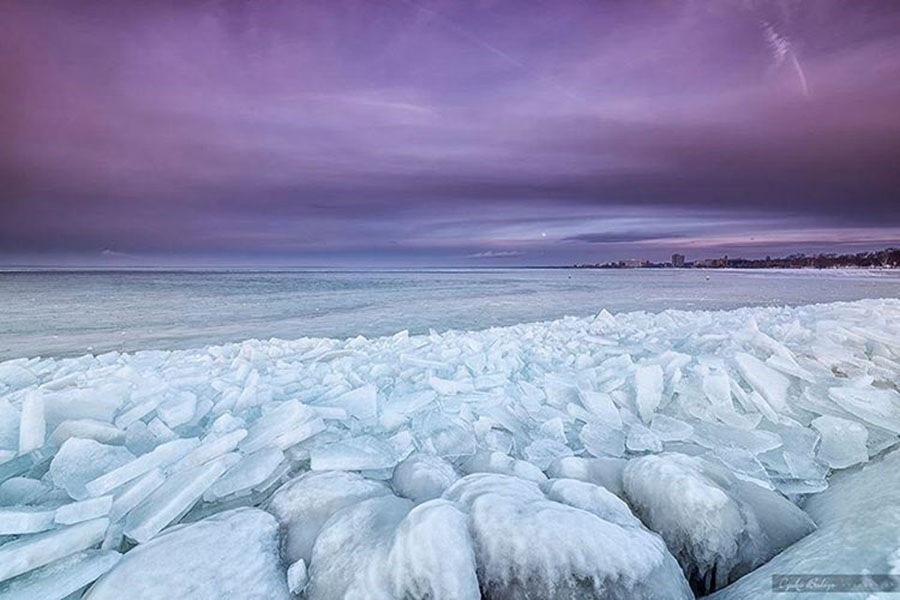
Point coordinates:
[[64, 313]]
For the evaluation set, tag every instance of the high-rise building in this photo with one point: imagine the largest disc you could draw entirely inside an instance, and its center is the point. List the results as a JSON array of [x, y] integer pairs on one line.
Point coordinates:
[[678, 260]]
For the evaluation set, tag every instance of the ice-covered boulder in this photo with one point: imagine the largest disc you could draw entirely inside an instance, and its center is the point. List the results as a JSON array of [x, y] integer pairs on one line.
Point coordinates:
[[232, 555], [386, 547], [858, 532], [717, 526], [303, 505], [423, 477], [577, 541]]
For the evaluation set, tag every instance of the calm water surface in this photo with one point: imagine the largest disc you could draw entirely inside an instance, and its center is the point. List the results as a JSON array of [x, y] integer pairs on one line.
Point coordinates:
[[65, 313]]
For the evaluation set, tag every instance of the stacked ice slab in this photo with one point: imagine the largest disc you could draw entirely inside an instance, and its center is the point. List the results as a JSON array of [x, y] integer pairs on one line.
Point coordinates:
[[703, 425]]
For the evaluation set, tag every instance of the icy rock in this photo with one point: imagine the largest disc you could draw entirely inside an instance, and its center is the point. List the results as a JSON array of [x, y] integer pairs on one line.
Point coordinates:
[[562, 545], [385, 547], [303, 505], [33, 551], [717, 527], [18, 520], [80, 461], [858, 518], [604, 472], [355, 454], [61, 578], [32, 427], [233, 554], [843, 442], [173, 499], [423, 477], [648, 390]]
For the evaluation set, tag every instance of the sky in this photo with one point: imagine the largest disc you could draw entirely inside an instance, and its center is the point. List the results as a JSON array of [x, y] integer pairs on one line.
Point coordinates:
[[438, 132]]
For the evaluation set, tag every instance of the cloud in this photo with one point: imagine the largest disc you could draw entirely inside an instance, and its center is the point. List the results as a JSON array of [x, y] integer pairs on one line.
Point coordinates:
[[496, 254]]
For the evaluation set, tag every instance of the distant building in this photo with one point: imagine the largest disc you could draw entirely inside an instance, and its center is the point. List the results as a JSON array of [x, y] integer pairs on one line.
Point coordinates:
[[634, 263], [678, 260]]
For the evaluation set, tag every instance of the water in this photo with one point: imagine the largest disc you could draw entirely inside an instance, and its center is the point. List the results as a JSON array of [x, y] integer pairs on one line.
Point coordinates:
[[67, 313]]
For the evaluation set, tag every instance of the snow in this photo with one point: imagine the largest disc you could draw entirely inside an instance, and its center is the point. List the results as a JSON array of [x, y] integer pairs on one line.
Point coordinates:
[[612, 456]]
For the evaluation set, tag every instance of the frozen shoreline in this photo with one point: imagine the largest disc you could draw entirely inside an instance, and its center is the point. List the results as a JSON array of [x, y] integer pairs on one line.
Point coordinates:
[[125, 446]]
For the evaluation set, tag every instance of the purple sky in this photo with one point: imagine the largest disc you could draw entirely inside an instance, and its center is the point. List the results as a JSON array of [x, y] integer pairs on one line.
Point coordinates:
[[445, 132]]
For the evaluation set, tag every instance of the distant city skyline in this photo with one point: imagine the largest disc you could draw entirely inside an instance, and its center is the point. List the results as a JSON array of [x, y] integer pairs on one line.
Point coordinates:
[[423, 132]]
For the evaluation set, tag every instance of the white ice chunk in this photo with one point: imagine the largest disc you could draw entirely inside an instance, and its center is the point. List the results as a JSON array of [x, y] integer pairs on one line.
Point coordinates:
[[304, 504], [354, 454], [61, 578], [253, 470], [80, 461], [177, 409], [85, 510], [602, 440], [297, 577], [276, 422], [878, 407], [87, 429], [172, 500], [361, 402], [33, 551], [648, 390], [769, 383], [543, 451], [161, 456], [423, 477], [32, 427], [641, 439], [134, 493], [212, 447], [18, 520], [670, 429], [843, 441], [600, 404], [233, 554], [605, 472], [497, 462]]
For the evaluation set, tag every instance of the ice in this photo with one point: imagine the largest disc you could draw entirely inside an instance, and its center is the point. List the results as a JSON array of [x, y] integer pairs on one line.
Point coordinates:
[[601, 440], [878, 407], [422, 477], [172, 500], [87, 429], [15, 376], [385, 547], [605, 472], [80, 461], [18, 520], [232, 555], [858, 520], [303, 505], [59, 579], [843, 441], [85, 510], [162, 456], [355, 454], [32, 427], [648, 389], [33, 551], [297, 577], [250, 472], [758, 401], [770, 384], [716, 526], [528, 544]]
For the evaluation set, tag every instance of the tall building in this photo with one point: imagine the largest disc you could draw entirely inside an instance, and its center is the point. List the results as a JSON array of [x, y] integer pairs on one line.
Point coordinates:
[[678, 260]]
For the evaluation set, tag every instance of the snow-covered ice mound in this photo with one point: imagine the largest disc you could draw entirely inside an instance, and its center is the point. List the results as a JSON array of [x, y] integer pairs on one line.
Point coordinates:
[[101, 456], [858, 533], [717, 526]]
